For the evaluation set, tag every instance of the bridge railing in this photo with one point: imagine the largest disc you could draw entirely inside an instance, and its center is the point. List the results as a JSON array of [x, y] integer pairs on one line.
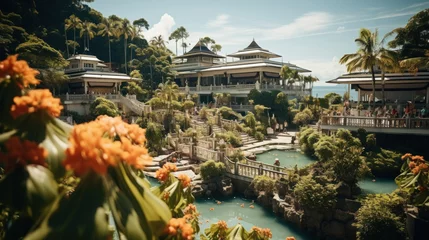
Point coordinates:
[[252, 170], [378, 122]]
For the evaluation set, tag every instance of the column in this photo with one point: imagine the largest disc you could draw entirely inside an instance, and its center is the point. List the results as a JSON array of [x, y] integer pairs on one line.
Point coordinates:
[[198, 82], [260, 76], [214, 80], [229, 78], [85, 87]]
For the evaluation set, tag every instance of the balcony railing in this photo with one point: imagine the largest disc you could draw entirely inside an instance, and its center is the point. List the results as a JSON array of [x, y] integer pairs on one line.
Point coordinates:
[[86, 97], [242, 107], [378, 122], [246, 87]]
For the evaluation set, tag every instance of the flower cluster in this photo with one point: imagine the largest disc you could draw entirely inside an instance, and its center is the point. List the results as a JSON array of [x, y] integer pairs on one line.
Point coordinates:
[[190, 209], [19, 71], [290, 238], [22, 152], [416, 163], [163, 173], [179, 226], [222, 225], [185, 180], [102, 143], [264, 232], [34, 101]]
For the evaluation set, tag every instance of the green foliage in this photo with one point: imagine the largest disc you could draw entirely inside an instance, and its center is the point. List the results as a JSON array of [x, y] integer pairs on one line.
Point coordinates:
[[303, 135], [381, 217], [259, 136], [102, 106], [303, 118], [333, 98], [324, 148], [228, 113], [188, 105], [203, 113], [314, 195], [263, 184], [383, 162], [237, 156], [231, 138], [212, 169], [155, 137], [276, 100], [79, 118]]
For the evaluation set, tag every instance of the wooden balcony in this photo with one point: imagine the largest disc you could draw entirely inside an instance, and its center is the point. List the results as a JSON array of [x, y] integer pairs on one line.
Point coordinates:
[[245, 88], [413, 126]]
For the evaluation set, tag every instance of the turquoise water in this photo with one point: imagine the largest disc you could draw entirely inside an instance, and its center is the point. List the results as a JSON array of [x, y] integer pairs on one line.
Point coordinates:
[[381, 185], [288, 158], [232, 213], [321, 91]]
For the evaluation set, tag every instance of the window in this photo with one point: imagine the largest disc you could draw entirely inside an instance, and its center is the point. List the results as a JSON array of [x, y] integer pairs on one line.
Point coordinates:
[[73, 66], [88, 65]]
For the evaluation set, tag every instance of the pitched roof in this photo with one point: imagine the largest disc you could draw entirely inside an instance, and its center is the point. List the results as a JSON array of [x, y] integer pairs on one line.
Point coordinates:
[[252, 49], [200, 49], [253, 45]]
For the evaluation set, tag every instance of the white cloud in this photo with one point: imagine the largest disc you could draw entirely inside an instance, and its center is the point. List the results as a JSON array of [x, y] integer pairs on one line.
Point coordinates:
[[163, 27], [340, 29], [220, 21], [323, 69]]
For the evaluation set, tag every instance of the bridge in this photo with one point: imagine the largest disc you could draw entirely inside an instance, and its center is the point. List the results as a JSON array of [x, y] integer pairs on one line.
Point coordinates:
[[413, 126]]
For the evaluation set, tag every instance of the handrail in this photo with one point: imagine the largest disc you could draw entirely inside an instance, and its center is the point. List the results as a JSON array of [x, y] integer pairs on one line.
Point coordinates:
[[378, 122]]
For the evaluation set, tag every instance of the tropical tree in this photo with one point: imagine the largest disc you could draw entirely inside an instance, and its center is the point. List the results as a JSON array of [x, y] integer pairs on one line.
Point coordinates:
[[125, 30], [182, 34], [108, 28], [158, 41], [140, 24], [74, 23], [285, 74], [370, 54], [87, 30], [216, 48]]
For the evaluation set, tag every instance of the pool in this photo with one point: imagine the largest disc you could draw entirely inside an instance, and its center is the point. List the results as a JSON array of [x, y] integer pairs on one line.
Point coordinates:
[[381, 185], [232, 213], [287, 158]]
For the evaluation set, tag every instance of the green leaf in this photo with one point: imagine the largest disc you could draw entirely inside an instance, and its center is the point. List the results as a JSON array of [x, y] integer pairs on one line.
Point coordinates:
[[80, 216], [31, 189], [142, 200], [237, 233]]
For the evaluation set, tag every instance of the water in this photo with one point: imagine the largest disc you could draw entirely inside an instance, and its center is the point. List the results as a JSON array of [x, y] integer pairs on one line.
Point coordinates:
[[288, 158], [381, 185], [321, 91], [232, 213]]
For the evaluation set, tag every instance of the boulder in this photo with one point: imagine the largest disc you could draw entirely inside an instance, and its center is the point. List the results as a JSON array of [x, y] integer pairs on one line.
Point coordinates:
[[343, 216], [197, 191], [350, 230], [282, 189], [352, 205], [312, 219], [208, 193], [334, 229], [212, 186], [293, 216], [227, 191], [265, 200], [344, 190]]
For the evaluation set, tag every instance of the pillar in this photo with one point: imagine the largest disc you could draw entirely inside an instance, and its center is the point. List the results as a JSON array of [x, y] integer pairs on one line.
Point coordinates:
[[260, 76], [229, 78], [198, 82], [85, 85], [214, 80]]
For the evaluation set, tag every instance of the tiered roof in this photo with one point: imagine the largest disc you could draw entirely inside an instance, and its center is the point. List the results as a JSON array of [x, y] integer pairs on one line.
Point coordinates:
[[253, 49], [200, 49]]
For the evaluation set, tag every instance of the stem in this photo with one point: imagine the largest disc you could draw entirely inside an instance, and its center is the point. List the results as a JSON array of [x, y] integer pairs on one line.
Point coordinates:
[[110, 53]]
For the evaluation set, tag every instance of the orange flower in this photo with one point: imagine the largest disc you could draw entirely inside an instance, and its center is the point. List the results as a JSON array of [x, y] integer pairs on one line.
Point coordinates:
[[412, 165], [10, 68], [266, 232], [417, 158], [416, 170], [290, 238], [166, 196], [135, 155], [170, 167], [222, 225], [406, 156], [36, 100], [252, 207], [22, 152], [424, 167], [185, 180], [190, 209], [179, 226], [162, 174], [211, 209]]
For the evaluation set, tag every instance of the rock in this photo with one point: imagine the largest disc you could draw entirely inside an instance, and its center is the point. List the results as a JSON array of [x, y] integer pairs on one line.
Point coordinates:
[[205, 187], [341, 204], [288, 199], [250, 193], [344, 190], [293, 216], [212, 186], [352, 205], [350, 230], [265, 200], [282, 189], [227, 191], [312, 219], [343, 216], [208, 193], [197, 191], [334, 229]]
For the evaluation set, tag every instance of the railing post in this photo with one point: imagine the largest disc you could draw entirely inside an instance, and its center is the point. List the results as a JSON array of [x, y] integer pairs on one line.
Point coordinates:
[[408, 122], [345, 121], [236, 168], [260, 172]]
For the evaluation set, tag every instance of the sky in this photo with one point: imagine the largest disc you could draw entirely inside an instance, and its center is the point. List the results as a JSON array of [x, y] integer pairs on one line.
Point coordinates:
[[311, 34]]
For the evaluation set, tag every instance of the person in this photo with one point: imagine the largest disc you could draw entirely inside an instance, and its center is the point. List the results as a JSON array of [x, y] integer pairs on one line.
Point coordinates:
[[394, 113], [423, 112]]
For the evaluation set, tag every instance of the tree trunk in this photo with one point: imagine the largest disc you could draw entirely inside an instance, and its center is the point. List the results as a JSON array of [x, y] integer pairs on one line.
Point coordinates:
[[176, 47], [382, 88], [87, 39], [74, 39], [110, 53], [67, 44], [125, 51], [373, 87]]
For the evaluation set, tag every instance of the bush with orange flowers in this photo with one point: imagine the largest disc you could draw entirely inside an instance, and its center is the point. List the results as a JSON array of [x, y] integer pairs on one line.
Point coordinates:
[[414, 179], [220, 231]]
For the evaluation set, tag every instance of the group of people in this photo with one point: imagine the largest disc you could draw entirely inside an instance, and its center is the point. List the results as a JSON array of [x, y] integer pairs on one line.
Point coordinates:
[[410, 111]]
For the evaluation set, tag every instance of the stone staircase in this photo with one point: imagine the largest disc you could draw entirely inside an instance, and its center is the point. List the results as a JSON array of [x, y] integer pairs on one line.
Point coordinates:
[[246, 139]]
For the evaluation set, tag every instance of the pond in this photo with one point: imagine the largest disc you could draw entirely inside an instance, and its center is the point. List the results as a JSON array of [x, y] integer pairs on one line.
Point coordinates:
[[237, 210], [287, 158], [290, 158]]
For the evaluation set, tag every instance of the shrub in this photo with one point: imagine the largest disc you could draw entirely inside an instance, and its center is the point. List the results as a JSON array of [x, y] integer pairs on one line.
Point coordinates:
[[370, 143], [230, 138], [303, 118], [203, 113], [314, 195], [333, 98], [228, 113], [381, 217], [102, 106], [237, 156], [188, 104], [259, 136], [154, 136], [212, 169], [324, 148], [384, 162], [263, 184]]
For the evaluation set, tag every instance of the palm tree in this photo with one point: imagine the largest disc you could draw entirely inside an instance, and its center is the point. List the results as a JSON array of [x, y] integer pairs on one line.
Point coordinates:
[[183, 35], [125, 30], [87, 30], [158, 41], [108, 29], [167, 92], [285, 74], [74, 23], [176, 37], [184, 46], [370, 54]]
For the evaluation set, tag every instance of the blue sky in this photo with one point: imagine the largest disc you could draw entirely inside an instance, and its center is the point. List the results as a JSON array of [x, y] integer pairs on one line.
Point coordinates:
[[312, 34]]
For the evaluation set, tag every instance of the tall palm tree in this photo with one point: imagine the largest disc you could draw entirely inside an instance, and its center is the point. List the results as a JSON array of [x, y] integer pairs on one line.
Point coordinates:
[[176, 37], [285, 74], [183, 33], [370, 54], [125, 29], [67, 45], [184, 46], [168, 92], [158, 41], [74, 23], [87, 30], [108, 28], [216, 48]]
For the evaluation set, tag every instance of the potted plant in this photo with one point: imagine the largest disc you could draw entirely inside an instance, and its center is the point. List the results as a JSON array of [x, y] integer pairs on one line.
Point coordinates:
[[414, 180]]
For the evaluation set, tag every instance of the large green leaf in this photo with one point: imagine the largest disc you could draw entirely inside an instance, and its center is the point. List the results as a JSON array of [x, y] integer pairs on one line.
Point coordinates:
[[237, 233], [31, 189], [80, 216], [153, 213]]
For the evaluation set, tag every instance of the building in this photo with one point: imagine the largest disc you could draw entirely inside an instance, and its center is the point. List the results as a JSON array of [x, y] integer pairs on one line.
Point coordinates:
[[90, 78], [203, 72]]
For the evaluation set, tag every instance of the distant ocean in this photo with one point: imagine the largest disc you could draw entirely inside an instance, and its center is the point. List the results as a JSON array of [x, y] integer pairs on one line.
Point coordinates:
[[321, 91]]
